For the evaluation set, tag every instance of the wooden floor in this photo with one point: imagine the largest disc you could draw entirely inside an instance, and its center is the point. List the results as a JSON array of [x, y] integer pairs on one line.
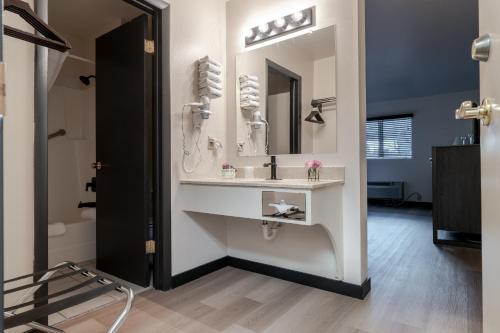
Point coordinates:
[[416, 287]]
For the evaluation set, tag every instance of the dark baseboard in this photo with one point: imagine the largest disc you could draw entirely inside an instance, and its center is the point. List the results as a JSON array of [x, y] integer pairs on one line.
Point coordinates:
[[306, 279], [406, 204], [197, 272]]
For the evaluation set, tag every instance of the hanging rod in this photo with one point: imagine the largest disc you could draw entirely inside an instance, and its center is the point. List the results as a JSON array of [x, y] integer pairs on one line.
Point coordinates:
[[320, 101], [50, 39], [60, 132]]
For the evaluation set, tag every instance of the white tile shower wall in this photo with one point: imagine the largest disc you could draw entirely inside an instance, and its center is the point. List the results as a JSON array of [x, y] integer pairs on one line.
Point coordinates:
[[197, 29], [347, 16]]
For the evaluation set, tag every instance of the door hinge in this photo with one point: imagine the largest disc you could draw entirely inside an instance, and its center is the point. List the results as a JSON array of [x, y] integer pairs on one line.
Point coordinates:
[[149, 46], [150, 247], [3, 93]]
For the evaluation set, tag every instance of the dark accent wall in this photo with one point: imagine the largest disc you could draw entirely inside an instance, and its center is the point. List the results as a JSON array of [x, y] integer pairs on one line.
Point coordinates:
[[418, 48]]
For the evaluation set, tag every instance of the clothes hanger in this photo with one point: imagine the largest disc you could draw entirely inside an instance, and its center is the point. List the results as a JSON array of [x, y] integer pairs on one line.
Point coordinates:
[[315, 115], [50, 39]]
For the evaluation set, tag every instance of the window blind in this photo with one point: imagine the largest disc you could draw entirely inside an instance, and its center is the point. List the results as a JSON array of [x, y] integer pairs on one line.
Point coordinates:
[[389, 137]]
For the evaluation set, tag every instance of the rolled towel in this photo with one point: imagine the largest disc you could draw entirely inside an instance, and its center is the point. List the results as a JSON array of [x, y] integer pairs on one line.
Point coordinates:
[[57, 229], [250, 84], [210, 76], [88, 214], [210, 92], [246, 97], [249, 91], [207, 59], [206, 67], [244, 78], [209, 83], [250, 105]]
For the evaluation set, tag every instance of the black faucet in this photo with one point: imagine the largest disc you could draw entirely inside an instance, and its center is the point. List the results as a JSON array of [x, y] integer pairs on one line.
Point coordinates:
[[273, 166]]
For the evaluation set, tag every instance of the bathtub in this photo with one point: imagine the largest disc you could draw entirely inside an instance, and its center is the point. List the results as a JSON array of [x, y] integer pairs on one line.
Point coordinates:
[[77, 244]]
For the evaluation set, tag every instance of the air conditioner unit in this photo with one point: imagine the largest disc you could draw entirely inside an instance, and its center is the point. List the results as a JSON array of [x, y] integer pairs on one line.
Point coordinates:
[[386, 190]]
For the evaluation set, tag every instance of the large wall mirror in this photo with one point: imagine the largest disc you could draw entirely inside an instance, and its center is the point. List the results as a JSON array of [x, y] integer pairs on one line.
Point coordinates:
[[286, 98]]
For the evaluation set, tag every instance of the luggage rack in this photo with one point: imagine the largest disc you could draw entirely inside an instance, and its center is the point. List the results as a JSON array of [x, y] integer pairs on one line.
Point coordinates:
[[74, 295]]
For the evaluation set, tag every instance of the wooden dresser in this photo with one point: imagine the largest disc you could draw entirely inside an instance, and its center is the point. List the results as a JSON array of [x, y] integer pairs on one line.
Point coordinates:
[[456, 182]]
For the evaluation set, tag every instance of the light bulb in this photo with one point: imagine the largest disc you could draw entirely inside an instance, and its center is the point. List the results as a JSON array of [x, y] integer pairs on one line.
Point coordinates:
[[250, 34], [264, 28], [298, 17], [280, 23]]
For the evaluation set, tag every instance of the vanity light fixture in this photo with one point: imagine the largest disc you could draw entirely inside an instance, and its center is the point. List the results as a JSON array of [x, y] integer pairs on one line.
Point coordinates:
[[281, 26]]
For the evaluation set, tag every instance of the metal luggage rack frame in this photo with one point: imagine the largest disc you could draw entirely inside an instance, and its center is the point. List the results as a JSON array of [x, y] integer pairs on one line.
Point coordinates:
[[42, 306]]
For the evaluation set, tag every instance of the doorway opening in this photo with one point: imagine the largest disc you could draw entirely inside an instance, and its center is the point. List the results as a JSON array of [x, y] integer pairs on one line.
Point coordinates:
[[423, 165], [283, 93], [105, 135]]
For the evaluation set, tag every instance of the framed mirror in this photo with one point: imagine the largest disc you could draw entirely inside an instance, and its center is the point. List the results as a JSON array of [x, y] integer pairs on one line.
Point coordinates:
[[286, 99]]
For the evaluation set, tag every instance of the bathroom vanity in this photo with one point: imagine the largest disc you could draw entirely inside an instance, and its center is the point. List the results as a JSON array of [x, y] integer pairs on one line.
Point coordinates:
[[294, 201]]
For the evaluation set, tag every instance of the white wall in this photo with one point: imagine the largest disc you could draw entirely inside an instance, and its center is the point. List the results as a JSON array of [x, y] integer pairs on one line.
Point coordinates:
[[196, 239], [18, 154], [325, 85], [242, 14], [434, 124]]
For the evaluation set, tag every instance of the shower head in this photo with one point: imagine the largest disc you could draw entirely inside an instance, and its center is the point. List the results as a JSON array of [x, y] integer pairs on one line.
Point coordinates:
[[86, 79]]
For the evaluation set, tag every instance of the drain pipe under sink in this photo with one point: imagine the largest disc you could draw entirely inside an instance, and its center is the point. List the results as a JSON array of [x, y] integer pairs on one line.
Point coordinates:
[[270, 231]]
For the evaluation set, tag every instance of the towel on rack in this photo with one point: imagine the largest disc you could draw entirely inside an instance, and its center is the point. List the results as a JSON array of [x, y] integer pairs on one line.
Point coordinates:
[[246, 97], [210, 76], [207, 59], [209, 83], [244, 78], [249, 105], [250, 84], [210, 92], [249, 91], [207, 67]]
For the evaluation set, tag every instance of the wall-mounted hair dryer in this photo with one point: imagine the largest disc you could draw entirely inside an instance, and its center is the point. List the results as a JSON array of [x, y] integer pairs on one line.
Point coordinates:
[[202, 108]]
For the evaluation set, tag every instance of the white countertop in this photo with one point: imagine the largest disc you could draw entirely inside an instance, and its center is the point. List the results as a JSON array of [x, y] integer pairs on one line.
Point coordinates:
[[260, 182]]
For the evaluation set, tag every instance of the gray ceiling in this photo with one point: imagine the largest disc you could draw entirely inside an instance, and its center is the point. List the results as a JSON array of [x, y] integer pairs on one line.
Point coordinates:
[[420, 48]]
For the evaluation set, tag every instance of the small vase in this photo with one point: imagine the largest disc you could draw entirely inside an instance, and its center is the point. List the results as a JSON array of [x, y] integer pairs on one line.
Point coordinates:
[[313, 174]]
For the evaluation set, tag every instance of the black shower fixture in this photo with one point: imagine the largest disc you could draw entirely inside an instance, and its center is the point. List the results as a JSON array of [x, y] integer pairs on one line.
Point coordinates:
[[86, 79]]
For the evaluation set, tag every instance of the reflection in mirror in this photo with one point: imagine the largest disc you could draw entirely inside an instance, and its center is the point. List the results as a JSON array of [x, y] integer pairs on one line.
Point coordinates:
[[286, 96]]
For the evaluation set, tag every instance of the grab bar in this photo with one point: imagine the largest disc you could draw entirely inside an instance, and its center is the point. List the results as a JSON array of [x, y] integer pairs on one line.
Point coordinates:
[[60, 132]]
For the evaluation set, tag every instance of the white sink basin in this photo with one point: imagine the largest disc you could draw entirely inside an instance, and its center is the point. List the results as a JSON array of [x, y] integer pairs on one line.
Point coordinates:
[[261, 182]]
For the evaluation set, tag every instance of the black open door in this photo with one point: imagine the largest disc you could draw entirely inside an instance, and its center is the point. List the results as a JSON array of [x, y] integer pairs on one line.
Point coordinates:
[[124, 140]]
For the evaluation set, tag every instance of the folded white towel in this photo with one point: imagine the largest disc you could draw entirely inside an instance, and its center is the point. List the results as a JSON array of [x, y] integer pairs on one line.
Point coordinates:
[[88, 214], [210, 92], [206, 67], [244, 78], [249, 91], [250, 83], [209, 83], [249, 105], [246, 97], [209, 60], [211, 76], [57, 229]]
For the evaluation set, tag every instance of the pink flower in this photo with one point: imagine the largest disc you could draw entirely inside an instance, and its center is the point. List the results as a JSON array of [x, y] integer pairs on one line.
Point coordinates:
[[314, 164]]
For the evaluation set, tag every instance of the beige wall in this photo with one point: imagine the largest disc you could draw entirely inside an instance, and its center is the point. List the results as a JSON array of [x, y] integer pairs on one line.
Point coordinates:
[[196, 239], [350, 117], [18, 158]]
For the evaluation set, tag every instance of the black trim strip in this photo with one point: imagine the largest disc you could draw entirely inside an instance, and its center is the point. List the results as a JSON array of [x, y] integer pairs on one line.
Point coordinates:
[[392, 116], [319, 282], [197, 272], [48, 309]]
